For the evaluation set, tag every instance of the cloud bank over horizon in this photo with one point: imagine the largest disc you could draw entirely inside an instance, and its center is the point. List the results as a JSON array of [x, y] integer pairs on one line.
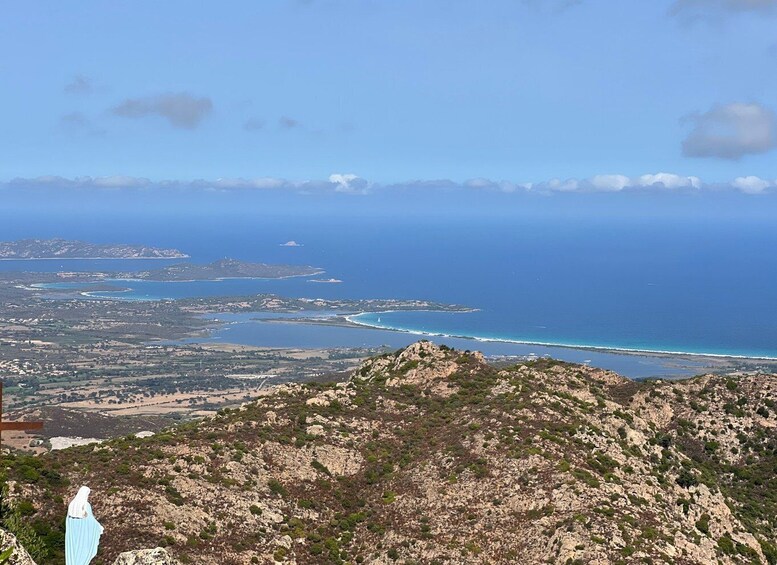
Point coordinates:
[[352, 184]]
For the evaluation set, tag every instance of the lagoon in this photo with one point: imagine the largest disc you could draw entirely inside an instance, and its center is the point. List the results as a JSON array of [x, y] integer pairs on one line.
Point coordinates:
[[692, 287]]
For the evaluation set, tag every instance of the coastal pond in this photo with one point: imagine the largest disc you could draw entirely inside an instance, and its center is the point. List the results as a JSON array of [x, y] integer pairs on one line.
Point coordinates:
[[292, 330], [640, 286]]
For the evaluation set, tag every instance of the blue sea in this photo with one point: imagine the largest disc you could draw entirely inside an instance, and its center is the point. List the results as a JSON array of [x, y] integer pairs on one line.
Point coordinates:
[[692, 286]]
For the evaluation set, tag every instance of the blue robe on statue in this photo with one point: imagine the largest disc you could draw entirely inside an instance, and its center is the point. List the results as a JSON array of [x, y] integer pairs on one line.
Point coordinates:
[[82, 533]]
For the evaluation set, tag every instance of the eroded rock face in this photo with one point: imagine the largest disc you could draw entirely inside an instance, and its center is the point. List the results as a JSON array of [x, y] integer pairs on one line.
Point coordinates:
[[157, 556], [19, 555], [422, 364], [432, 455]]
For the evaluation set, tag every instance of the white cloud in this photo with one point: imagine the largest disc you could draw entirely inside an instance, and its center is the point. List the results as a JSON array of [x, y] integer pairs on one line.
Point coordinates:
[[479, 182], [502, 185], [616, 183], [752, 184], [609, 183], [243, 184], [349, 183], [117, 181], [558, 185], [668, 180], [731, 132]]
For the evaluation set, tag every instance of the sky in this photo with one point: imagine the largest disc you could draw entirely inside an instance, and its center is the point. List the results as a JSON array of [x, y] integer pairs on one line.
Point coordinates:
[[355, 97]]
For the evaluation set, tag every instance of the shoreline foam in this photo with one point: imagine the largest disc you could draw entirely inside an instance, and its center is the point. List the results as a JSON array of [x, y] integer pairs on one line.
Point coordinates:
[[601, 348], [96, 293], [217, 279]]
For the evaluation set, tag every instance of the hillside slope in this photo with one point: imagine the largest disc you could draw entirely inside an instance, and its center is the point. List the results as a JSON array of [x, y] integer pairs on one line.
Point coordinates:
[[430, 455]]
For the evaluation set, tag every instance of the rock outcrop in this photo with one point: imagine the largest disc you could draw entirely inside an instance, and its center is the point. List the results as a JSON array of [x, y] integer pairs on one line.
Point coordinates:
[[19, 555], [158, 556], [431, 455]]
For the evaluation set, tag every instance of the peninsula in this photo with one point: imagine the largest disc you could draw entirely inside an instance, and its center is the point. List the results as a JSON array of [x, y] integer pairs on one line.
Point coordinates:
[[226, 269], [72, 249]]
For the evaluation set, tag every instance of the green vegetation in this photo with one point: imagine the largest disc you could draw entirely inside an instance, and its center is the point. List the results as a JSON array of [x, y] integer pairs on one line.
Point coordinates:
[[6, 555], [276, 487], [403, 439], [15, 519], [703, 524]]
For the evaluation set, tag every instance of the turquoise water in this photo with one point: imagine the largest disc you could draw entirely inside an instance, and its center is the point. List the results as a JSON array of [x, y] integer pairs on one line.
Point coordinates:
[[692, 286], [270, 330], [446, 325], [171, 290]]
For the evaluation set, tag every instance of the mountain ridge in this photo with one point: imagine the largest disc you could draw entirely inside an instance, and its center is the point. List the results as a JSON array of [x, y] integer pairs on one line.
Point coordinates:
[[430, 455]]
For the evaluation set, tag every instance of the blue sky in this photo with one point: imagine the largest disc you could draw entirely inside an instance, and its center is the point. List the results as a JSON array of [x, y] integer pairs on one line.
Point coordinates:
[[544, 95]]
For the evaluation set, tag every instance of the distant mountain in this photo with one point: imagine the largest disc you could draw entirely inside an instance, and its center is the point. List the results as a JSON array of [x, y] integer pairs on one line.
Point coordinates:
[[226, 269], [430, 455], [69, 249]]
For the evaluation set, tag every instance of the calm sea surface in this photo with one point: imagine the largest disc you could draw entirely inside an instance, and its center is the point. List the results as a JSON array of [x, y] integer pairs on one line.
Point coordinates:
[[691, 287]]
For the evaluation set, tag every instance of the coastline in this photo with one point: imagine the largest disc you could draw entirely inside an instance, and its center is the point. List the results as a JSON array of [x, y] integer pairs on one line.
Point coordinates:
[[219, 278], [600, 348], [352, 320], [51, 285], [92, 258]]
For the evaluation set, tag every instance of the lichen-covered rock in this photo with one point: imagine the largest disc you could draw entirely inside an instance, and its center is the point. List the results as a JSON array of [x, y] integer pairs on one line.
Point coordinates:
[[432, 455], [19, 555], [157, 556], [422, 364]]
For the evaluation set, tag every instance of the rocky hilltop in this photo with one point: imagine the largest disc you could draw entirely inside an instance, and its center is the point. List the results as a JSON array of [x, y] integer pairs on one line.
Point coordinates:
[[431, 455]]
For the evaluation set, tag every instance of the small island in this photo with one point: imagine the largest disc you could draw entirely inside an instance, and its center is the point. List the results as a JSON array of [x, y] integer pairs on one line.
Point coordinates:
[[226, 269], [71, 249]]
